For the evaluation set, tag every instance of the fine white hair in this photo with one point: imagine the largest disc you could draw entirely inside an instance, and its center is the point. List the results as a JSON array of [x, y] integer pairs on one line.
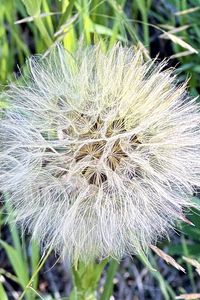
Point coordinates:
[[100, 152]]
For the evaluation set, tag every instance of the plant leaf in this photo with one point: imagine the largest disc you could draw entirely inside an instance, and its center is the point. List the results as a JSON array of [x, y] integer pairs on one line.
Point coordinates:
[[170, 260], [3, 295], [32, 7]]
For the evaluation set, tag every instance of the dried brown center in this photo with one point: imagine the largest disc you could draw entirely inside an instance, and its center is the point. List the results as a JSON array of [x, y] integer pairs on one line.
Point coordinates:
[[94, 151], [91, 150], [90, 154], [116, 155]]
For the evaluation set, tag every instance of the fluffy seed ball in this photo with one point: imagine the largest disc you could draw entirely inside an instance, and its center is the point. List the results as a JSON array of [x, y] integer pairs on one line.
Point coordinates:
[[100, 152]]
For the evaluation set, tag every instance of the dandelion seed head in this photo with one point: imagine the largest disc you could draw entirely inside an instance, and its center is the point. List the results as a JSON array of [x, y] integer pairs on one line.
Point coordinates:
[[99, 151]]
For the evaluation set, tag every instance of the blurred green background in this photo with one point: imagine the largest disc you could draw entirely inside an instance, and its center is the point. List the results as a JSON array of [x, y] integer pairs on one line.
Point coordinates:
[[163, 28]]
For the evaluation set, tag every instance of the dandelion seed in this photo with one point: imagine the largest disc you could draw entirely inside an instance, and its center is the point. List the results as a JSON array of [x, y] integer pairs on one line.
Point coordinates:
[[100, 152]]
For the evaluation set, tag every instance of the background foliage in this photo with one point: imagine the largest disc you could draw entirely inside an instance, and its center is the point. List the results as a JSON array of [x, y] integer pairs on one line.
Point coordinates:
[[167, 28]]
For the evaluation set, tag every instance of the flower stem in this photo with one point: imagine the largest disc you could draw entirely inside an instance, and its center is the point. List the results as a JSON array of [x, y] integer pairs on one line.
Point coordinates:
[[85, 279], [108, 286]]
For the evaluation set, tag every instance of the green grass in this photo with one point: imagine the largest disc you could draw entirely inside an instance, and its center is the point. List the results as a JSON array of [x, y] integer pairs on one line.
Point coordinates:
[[28, 26]]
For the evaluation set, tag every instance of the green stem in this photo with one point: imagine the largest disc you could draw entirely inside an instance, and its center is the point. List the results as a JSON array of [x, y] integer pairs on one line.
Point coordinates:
[[43, 31], [85, 278], [35, 273], [189, 267], [108, 287], [67, 13]]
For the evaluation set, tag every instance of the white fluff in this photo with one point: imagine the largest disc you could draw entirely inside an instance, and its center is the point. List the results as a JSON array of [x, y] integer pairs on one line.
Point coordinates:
[[99, 152]]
